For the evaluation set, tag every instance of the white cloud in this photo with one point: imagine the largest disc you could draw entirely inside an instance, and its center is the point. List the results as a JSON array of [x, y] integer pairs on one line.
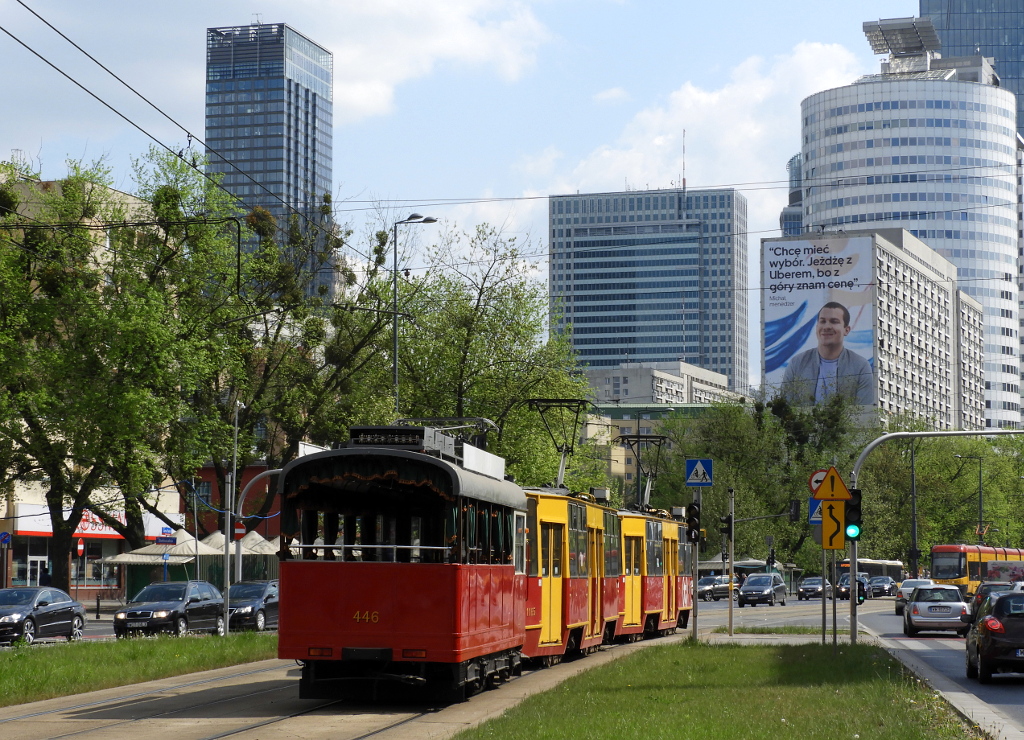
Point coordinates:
[[542, 164], [742, 132], [612, 95]]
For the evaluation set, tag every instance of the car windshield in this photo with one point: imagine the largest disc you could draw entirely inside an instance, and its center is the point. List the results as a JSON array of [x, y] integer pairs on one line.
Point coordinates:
[[758, 581], [252, 590], [1010, 605], [161, 592], [880, 579], [937, 594], [812, 582], [17, 596]]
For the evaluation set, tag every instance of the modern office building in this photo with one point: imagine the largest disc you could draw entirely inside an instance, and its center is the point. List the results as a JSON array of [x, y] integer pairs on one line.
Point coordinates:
[[929, 145], [658, 382], [921, 334], [989, 28], [791, 220], [269, 93], [652, 276]]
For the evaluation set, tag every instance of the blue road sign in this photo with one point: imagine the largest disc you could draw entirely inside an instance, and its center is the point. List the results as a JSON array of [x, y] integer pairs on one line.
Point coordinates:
[[5, 538], [166, 530], [813, 510], [698, 472], [166, 541]]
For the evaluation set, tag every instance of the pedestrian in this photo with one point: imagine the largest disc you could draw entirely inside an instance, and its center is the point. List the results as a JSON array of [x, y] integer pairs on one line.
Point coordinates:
[[44, 577]]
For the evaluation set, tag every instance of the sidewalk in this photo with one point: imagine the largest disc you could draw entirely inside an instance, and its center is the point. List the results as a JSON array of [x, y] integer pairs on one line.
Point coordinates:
[[106, 610]]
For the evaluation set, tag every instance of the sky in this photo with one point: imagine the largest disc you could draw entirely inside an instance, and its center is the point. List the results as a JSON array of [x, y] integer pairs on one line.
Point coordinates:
[[471, 111]]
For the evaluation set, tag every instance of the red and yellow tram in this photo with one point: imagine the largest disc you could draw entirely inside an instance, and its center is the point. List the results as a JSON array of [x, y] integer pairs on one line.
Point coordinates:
[[418, 562], [964, 565]]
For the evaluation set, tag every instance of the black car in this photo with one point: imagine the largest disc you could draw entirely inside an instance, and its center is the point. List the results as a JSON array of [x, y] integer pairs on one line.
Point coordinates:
[[30, 613], [811, 588], [253, 604], [177, 607], [883, 586], [843, 590], [986, 588], [995, 640]]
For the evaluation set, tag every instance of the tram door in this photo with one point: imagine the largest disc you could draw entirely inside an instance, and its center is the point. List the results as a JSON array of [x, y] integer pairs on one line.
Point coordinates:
[[551, 581], [634, 580], [670, 553], [595, 554]]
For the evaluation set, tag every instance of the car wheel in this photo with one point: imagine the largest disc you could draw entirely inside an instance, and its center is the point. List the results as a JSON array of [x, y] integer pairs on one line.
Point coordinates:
[[799, 597], [782, 602], [261, 621], [972, 670], [963, 633], [76, 630], [908, 630], [180, 627], [218, 630], [739, 603], [899, 612], [984, 670], [771, 600], [716, 598], [28, 632]]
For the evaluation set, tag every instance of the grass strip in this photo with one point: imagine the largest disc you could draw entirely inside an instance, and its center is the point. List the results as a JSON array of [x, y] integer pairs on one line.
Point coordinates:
[[782, 629], [43, 671], [720, 691]]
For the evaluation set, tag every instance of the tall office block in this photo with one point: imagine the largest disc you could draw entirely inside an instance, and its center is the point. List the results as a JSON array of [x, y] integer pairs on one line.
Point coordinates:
[[269, 109], [653, 276], [791, 220], [929, 145], [990, 28]]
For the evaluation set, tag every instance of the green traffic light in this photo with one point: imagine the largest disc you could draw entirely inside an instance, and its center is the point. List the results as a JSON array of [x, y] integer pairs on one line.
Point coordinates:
[[852, 531]]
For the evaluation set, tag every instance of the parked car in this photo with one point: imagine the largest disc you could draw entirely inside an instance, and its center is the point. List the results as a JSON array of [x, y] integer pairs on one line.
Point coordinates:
[[995, 637], [986, 588], [843, 588], [762, 588], [27, 614], [252, 604], [811, 588], [906, 589], [177, 607], [935, 608], [882, 586]]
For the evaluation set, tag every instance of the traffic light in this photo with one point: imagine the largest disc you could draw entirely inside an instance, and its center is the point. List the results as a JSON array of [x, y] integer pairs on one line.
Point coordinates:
[[771, 558], [693, 522], [854, 515], [726, 527], [794, 510]]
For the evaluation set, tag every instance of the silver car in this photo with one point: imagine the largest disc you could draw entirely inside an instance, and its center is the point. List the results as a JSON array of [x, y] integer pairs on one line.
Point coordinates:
[[935, 608], [906, 589], [762, 588]]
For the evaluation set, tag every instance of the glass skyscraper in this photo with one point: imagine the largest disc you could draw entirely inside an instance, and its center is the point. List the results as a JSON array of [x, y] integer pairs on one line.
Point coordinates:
[[653, 276], [269, 109], [991, 28]]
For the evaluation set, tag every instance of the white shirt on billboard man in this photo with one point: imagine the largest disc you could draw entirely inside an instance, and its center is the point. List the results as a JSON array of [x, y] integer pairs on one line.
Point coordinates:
[[814, 375]]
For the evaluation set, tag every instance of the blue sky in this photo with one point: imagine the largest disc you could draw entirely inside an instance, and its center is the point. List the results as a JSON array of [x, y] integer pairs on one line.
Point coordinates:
[[468, 99]]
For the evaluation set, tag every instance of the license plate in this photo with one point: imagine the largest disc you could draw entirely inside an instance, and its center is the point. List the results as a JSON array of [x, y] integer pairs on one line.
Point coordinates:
[[938, 609], [136, 625]]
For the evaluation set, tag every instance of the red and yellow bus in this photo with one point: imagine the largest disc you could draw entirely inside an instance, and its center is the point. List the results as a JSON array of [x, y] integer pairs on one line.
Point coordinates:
[[964, 565]]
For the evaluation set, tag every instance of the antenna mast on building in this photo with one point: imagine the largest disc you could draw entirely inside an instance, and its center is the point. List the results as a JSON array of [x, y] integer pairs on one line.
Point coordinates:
[[682, 174]]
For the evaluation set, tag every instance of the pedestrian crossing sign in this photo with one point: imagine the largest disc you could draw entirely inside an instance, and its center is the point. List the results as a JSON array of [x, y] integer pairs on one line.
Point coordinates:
[[699, 472]]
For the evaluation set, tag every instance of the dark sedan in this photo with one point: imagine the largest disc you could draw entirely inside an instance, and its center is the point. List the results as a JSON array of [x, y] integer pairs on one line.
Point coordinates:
[[995, 640], [883, 586], [177, 607], [811, 588], [30, 613], [253, 605]]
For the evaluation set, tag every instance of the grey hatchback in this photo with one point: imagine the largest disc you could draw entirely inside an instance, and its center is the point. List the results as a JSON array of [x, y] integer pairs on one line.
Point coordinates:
[[762, 588]]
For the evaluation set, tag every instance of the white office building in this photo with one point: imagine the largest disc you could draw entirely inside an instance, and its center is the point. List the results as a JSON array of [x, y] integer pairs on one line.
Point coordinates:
[[929, 145]]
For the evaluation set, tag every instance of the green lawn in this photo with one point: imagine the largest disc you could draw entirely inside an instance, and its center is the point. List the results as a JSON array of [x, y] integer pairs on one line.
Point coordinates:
[[43, 671], [748, 692]]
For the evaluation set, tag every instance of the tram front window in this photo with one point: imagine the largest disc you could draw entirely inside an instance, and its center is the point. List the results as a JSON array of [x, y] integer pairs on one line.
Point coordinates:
[[948, 565]]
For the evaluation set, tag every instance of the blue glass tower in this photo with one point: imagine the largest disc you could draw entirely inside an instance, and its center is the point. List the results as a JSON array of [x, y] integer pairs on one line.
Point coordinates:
[[991, 28], [269, 110]]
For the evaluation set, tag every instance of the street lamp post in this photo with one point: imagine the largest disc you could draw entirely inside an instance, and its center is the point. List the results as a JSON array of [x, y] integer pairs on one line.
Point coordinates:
[[228, 524], [981, 497], [414, 218]]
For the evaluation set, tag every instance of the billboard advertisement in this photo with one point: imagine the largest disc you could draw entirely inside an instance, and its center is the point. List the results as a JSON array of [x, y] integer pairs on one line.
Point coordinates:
[[817, 319]]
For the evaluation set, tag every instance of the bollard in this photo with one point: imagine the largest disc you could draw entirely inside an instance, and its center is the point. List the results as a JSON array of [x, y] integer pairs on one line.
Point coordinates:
[[97, 606]]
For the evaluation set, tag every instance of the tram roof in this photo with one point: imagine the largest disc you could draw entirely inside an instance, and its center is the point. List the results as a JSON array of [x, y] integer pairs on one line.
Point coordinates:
[[340, 469]]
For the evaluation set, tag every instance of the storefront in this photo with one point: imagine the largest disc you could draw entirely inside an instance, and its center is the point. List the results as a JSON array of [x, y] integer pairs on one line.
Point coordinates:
[[30, 553]]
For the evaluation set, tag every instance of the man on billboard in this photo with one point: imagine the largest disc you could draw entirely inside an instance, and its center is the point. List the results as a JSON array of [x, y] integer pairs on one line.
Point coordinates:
[[830, 368]]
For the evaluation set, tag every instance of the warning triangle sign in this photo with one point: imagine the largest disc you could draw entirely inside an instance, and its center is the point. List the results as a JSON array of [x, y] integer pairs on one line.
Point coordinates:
[[832, 487], [698, 475]]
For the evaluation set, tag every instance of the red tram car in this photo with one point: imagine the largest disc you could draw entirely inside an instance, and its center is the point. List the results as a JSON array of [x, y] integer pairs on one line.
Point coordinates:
[[419, 563]]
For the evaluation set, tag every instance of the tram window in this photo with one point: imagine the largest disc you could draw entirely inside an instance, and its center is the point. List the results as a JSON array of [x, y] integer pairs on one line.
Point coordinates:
[[612, 545], [452, 539], [415, 538], [655, 565], [520, 542], [469, 533], [948, 565], [974, 569], [634, 552], [556, 554], [577, 541], [483, 533]]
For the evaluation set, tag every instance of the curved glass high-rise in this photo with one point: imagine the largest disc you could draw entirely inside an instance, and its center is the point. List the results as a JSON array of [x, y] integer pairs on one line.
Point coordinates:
[[929, 145]]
